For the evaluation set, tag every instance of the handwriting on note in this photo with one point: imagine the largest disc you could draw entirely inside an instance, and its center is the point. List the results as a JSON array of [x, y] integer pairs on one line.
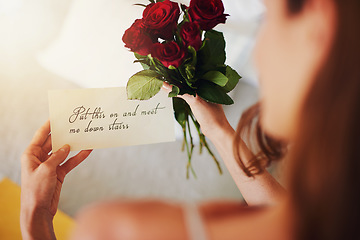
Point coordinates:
[[101, 118]]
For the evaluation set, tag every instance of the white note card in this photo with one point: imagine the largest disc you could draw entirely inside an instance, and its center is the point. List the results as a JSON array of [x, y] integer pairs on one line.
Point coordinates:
[[104, 117]]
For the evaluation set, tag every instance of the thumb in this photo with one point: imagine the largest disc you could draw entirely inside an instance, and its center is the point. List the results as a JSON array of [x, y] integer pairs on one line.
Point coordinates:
[[59, 156], [188, 98], [166, 87]]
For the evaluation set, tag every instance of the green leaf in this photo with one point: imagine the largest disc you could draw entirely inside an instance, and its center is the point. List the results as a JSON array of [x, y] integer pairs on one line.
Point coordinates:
[[187, 70], [221, 68], [216, 77], [203, 45], [212, 54], [144, 85], [174, 92], [213, 93], [157, 66], [189, 91], [143, 60], [145, 66], [233, 77], [181, 111], [186, 77], [217, 45], [190, 72], [193, 58]]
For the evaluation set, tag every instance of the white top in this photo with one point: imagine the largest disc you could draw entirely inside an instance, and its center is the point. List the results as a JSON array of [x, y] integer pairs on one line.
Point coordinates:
[[194, 222]]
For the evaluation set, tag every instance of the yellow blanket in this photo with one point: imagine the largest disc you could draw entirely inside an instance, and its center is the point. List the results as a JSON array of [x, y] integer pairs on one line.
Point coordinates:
[[10, 210]]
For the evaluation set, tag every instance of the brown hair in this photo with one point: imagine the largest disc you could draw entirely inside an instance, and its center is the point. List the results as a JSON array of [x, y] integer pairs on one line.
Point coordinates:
[[268, 149], [324, 182]]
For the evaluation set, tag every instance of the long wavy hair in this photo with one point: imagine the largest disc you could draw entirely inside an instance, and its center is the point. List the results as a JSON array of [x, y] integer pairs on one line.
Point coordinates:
[[324, 162]]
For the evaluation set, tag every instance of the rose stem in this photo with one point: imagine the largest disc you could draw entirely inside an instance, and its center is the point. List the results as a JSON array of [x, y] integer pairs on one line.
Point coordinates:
[[191, 147], [188, 166], [203, 141]]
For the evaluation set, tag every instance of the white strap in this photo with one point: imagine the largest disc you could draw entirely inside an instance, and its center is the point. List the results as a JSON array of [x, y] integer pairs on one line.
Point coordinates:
[[194, 222]]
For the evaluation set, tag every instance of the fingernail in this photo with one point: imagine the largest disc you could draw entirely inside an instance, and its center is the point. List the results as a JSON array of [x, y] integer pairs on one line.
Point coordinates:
[[166, 86], [65, 148]]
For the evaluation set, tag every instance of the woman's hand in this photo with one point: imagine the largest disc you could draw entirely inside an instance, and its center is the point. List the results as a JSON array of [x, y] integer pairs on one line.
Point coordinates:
[[42, 177], [210, 116], [262, 189]]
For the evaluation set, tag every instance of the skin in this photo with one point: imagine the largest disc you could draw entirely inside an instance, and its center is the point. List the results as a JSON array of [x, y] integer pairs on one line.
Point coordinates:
[[290, 51], [41, 180]]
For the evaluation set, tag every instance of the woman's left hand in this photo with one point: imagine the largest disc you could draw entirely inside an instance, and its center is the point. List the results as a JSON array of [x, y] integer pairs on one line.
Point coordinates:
[[42, 177]]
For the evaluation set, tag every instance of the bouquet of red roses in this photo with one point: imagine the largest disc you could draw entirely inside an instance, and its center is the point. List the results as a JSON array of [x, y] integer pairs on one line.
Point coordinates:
[[185, 53]]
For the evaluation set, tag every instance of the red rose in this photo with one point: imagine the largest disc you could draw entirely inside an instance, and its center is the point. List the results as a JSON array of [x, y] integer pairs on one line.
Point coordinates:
[[190, 34], [161, 18], [136, 39], [207, 13], [169, 54]]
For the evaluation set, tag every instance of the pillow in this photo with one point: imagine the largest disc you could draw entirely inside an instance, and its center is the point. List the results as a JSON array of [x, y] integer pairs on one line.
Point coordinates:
[[89, 50]]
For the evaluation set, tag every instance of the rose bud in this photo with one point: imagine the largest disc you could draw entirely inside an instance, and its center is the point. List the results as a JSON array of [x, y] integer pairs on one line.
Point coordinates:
[[161, 18], [190, 35], [169, 54], [207, 13], [136, 39]]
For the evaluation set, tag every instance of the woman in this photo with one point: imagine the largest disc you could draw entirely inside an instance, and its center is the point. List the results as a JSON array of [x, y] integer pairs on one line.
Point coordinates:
[[308, 114]]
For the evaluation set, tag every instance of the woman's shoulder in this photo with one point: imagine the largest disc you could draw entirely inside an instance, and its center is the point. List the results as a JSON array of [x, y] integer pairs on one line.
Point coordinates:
[[234, 220]]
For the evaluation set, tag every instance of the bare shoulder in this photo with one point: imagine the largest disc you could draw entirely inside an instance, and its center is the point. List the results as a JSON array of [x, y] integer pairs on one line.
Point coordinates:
[[235, 220]]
